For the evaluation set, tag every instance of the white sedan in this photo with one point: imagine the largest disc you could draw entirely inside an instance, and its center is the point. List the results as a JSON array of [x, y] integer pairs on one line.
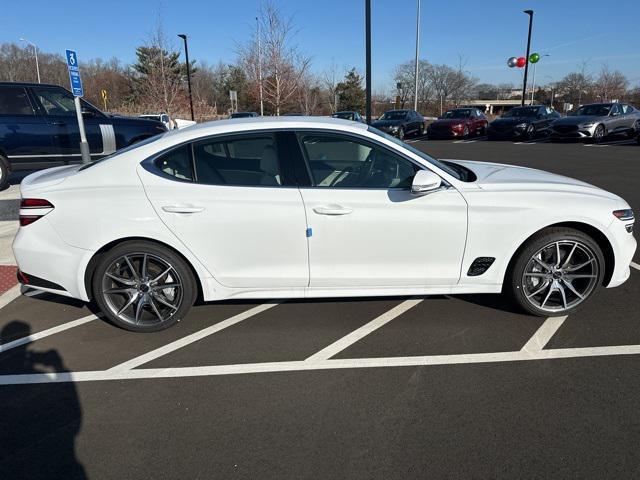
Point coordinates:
[[310, 207]]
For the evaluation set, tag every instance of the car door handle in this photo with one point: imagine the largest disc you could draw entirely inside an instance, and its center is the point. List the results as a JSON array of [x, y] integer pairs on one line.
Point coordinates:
[[332, 210], [182, 209]]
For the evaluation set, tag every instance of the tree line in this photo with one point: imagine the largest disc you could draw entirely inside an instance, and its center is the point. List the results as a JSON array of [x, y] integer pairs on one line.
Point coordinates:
[[270, 67]]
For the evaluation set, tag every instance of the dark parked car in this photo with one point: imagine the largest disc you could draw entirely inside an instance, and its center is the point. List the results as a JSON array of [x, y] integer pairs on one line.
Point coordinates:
[[597, 120], [244, 115], [349, 115], [459, 122], [401, 123], [38, 128], [523, 123]]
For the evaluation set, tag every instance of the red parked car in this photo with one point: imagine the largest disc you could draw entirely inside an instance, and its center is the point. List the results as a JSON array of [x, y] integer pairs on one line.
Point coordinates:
[[459, 122]]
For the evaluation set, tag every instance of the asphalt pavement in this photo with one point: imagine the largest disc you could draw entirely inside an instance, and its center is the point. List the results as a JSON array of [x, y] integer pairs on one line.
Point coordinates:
[[387, 388]]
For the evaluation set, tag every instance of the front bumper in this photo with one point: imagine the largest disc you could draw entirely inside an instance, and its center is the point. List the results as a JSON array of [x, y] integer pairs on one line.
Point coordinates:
[[572, 132], [624, 247]]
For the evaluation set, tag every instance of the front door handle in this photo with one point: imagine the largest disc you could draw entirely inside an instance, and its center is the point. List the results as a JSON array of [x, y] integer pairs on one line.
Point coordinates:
[[182, 209], [332, 210]]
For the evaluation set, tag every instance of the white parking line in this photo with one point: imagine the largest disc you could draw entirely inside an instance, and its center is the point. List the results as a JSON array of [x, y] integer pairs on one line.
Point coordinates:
[[45, 333], [363, 331], [430, 360], [194, 337], [539, 339], [10, 295], [635, 265]]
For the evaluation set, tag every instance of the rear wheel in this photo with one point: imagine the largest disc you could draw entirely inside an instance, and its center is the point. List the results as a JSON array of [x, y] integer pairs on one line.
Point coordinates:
[[143, 287], [556, 271]]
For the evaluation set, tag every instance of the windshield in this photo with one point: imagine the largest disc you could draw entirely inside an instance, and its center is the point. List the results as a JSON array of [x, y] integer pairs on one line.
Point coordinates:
[[457, 114], [394, 115], [522, 112], [594, 110], [343, 115], [419, 153]]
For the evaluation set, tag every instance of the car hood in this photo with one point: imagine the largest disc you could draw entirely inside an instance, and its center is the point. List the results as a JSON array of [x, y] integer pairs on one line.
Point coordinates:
[[496, 176], [138, 121], [511, 120], [578, 120], [386, 123], [450, 121]]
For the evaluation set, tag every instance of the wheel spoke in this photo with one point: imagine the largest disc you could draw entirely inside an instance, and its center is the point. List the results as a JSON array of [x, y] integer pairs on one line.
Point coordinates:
[[154, 308], [133, 270], [542, 264], [564, 296], [551, 290], [544, 285], [165, 285], [568, 259], [164, 302], [578, 275], [128, 303], [143, 270], [557, 254], [572, 288], [162, 275], [141, 302], [582, 265], [537, 274], [124, 281], [119, 290]]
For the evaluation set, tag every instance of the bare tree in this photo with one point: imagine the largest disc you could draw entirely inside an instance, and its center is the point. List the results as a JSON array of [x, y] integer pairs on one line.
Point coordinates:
[[610, 85], [283, 64], [329, 81]]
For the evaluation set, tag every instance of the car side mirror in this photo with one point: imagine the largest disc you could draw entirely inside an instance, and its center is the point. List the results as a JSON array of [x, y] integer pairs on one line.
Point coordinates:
[[425, 181]]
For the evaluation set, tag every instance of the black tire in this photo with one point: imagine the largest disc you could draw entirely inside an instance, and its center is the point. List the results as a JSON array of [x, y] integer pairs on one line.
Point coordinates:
[[635, 129], [531, 132], [181, 274], [514, 285], [599, 133], [4, 173]]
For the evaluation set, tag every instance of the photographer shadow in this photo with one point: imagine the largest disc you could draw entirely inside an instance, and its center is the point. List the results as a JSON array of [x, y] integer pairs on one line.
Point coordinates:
[[40, 422]]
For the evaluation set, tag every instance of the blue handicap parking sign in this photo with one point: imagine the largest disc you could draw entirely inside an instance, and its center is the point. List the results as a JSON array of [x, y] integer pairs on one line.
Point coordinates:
[[74, 73]]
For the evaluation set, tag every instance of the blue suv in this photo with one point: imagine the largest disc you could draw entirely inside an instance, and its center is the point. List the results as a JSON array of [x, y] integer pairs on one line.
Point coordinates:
[[38, 128]]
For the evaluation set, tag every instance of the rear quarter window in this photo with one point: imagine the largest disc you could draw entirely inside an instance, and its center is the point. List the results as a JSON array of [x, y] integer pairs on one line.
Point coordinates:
[[15, 101]]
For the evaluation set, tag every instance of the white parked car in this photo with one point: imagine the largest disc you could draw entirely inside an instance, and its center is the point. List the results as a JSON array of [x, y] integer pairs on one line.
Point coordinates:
[[310, 207]]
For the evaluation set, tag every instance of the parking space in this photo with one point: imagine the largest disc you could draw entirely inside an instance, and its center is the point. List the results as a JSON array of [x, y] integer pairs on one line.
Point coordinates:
[[443, 386]]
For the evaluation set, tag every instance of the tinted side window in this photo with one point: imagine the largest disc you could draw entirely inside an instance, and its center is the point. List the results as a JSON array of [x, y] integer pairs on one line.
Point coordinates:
[[177, 163], [56, 101], [14, 101], [341, 162], [250, 161]]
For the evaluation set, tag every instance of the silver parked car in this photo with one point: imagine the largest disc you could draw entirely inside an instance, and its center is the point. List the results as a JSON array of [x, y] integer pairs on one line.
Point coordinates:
[[597, 120]]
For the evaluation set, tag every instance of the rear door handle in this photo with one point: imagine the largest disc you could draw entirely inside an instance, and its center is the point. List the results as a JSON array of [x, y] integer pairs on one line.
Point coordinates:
[[332, 210], [182, 209]]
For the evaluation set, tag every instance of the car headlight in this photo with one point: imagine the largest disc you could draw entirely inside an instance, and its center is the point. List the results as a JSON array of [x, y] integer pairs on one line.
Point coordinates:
[[393, 128], [521, 126]]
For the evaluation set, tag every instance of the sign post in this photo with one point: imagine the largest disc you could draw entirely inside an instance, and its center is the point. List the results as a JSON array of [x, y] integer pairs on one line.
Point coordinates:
[[78, 91]]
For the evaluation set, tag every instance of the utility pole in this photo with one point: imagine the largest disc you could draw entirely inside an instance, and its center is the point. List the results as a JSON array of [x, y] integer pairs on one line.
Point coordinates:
[[415, 92], [526, 64], [186, 54], [260, 68], [367, 22], [35, 51]]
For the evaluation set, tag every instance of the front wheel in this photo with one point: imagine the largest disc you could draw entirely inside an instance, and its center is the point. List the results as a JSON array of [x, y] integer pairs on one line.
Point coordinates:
[[401, 133], [143, 287], [598, 134], [556, 271], [465, 132], [531, 132]]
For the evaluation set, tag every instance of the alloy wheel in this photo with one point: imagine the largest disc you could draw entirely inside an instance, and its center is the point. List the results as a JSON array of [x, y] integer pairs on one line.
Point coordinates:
[[598, 134], [142, 289], [560, 276]]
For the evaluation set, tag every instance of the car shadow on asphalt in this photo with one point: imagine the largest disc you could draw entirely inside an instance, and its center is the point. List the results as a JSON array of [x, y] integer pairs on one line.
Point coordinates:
[[40, 422]]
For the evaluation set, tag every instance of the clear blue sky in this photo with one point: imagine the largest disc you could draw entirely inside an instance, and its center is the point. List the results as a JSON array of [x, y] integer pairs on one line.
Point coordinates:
[[484, 33]]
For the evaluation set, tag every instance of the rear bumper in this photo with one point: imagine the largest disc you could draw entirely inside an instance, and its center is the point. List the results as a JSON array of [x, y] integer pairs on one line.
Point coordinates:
[[41, 253]]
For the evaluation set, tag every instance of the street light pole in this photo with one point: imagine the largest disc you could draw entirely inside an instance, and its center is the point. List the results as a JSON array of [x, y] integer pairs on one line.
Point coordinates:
[[367, 22], [260, 68], [526, 64], [35, 51], [186, 54], [415, 91]]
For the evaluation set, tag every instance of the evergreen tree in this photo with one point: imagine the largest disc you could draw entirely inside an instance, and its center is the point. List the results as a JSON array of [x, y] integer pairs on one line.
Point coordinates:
[[351, 95]]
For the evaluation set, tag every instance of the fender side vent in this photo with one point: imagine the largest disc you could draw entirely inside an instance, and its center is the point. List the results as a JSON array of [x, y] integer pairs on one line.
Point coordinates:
[[480, 265]]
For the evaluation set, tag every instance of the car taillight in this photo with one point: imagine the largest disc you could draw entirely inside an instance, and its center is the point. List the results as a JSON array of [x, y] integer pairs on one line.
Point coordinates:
[[32, 209]]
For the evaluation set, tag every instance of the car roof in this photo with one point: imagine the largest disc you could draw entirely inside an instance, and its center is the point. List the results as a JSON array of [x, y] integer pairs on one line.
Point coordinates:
[[28, 84], [606, 104]]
